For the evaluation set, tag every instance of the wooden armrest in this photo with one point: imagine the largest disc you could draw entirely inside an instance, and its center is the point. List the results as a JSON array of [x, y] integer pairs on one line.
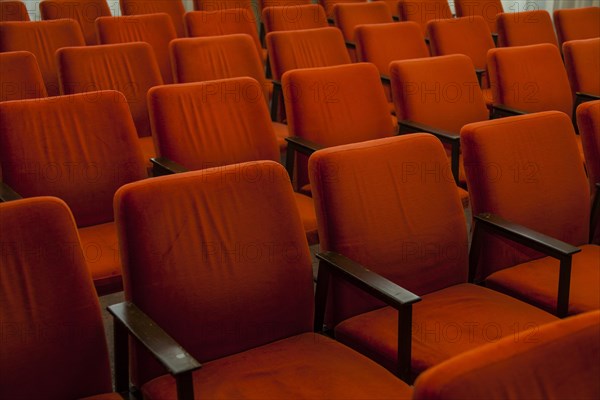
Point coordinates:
[[386, 80], [595, 214], [298, 145], [276, 96], [480, 73], [501, 111], [350, 45], [164, 166], [7, 193]]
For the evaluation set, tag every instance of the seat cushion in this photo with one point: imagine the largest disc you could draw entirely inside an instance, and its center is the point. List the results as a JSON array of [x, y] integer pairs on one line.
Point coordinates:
[[101, 251], [537, 281], [303, 366], [445, 324], [306, 208]]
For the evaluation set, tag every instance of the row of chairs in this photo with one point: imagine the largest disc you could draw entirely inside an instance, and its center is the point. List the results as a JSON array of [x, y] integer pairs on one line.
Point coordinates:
[[220, 291]]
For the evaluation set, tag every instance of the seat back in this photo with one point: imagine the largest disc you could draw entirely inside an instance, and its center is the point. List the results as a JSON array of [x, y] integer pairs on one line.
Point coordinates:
[[441, 92], [217, 57], [42, 38], [588, 121], [291, 4], [530, 78], [328, 5], [210, 124], [523, 367], [13, 11], [20, 76], [214, 5], [129, 68], [392, 5], [525, 28], [174, 8], [235, 275], [470, 36], [223, 22], [488, 9], [348, 16], [577, 23], [80, 148], [528, 170], [391, 205], [84, 12], [294, 18], [423, 11], [381, 44], [155, 29], [53, 340], [305, 49], [582, 61]]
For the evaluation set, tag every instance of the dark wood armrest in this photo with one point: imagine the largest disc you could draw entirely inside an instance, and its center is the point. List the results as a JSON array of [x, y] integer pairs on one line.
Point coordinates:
[[480, 73], [583, 97], [276, 96], [495, 38], [296, 144], [535, 240], [386, 80], [7, 193], [375, 285], [501, 111], [130, 320], [453, 139], [164, 166], [395, 18], [350, 45], [595, 214]]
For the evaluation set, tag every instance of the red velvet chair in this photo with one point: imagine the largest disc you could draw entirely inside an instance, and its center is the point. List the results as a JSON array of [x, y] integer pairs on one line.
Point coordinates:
[[391, 206], [328, 6], [294, 18], [525, 28], [214, 5], [13, 11], [174, 8], [488, 9], [588, 121], [218, 270], [53, 344], [526, 180], [84, 12], [524, 367], [42, 38], [582, 61], [577, 23], [423, 11], [20, 77], [130, 68], [392, 5], [155, 29], [80, 148]]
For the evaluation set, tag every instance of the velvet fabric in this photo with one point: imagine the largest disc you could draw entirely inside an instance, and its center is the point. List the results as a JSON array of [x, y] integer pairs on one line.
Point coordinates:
[[224, 22], [213, 5], [582, 61], [525, 28], [423, 11], [306, 366], [291, 4], [392, 5], [488, 9], [237, 277], [13, 11], [155, 29], [174, 8], [329, 5], [348, 16], [84, 12], [577, 23], [20, 77], [530, 78], [294, 18], [335, 105], [588, 121], [528, 170], [53, 344], [558, 361], [42, 38]]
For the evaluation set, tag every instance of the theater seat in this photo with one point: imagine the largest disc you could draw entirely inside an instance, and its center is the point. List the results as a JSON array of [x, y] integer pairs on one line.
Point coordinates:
[[582, 61], [525, 28], [174, 8], [20, 76], [577, 23], [293, 18], [488, 9], [84, 12], [423, 11], [13, 11]]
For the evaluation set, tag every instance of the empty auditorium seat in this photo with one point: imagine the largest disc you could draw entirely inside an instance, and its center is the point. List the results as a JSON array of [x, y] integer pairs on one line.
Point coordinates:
[[20, 76], [328, 6], [588, 121], [13, 11], [174, 8], [488, 9], [577, 23], [293, 18], [423, 11], [582, 61], [84, 12], [525, 28]]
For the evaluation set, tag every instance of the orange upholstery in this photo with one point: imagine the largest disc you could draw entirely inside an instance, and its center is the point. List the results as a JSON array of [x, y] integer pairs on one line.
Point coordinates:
[[528, 170], [262, 4], [523, 367], [530, 78], [155, 29], [245, 280], [305, 49], [80, 148], [224, 22], [392, 205], [423, 11], [525, 28], [488, 9], [174, 8], [577, 23], [214, 5], [392, 5], [582, 61], [129, 68], [20, 77], [13, 11], [588, 121], [84, 12], [328, 5], [348, 16], [216, 123], [219, 57], [53, 341], [41, 38], [294, 18]]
